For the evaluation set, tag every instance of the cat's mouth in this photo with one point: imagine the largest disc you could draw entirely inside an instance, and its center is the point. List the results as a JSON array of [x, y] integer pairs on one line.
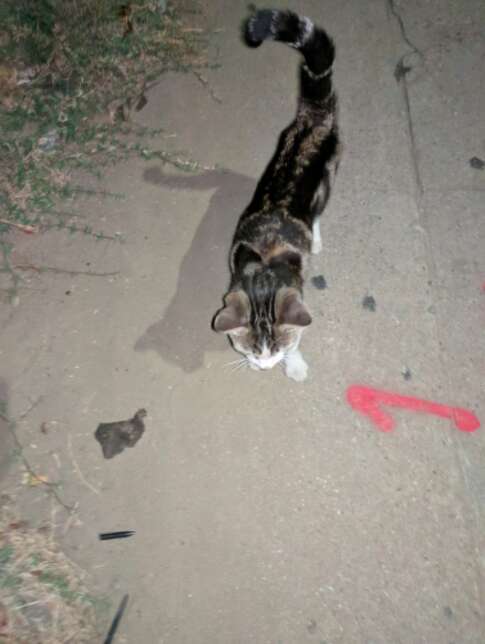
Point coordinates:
[[257, 367], [264, 364]]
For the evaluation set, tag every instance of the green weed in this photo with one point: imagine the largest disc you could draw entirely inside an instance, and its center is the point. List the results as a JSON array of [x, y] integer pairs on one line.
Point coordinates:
[[73, 74]]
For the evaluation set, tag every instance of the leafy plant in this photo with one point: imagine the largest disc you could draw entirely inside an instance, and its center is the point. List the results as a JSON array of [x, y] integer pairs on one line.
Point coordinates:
[[74, 72]]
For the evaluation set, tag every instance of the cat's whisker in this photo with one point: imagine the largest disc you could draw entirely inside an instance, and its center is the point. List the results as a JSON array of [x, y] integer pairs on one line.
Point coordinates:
[[233, 362], [242, 363]]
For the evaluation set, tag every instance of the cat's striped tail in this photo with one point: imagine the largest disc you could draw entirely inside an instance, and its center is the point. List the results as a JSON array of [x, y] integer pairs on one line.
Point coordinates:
[[300, 33]]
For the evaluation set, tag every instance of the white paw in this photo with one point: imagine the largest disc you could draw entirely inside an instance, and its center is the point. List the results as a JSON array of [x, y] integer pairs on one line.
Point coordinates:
[[316, 246], [296, 368]]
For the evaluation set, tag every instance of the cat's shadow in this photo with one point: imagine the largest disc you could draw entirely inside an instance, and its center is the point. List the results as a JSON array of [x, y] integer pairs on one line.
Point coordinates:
[[183, 335]]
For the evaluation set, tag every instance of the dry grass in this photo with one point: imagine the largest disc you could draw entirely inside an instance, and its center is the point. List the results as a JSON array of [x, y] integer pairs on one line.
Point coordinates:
[[43, 595], [72, 75]]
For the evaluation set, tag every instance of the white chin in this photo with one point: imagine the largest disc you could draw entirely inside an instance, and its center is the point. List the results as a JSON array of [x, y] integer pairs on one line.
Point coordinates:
[[264, 366]]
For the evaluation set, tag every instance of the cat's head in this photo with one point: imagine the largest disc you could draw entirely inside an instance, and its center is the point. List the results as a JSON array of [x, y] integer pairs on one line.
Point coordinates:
[[263, 316], [264, 332]]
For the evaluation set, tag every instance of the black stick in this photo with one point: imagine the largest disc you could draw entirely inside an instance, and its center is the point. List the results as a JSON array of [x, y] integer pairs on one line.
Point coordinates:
[[116, 621], [104, 536]]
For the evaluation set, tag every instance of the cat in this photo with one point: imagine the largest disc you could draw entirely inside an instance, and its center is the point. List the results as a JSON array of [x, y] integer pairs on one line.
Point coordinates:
[[264, 314]]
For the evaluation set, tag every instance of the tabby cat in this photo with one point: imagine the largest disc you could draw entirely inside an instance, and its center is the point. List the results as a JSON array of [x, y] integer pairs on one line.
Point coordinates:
[[264, 313]]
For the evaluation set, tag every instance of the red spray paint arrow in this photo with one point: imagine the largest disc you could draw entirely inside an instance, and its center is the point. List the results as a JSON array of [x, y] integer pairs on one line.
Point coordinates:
[[369, 401]]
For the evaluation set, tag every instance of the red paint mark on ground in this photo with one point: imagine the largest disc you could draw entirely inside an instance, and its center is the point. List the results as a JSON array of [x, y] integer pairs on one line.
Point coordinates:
[[369, 401], [483, 287]]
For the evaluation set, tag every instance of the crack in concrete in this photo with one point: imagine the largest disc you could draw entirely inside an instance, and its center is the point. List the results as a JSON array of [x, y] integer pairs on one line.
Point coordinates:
[[62, 271], [400, 74], [205, 83], [402, 28], [412, 139], [11, 426]]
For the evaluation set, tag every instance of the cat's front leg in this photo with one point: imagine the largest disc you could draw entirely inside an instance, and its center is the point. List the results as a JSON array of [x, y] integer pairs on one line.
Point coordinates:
[[295, 366], [316, 237]]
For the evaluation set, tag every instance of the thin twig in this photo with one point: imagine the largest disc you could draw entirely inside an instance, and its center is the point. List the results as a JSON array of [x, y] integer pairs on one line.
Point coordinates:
[[77, 468], [25, 228], [70, 519]]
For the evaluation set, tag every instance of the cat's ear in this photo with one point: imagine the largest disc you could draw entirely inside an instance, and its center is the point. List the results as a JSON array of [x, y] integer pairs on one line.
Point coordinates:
[[244, 258], [233, 318], [291, 310]]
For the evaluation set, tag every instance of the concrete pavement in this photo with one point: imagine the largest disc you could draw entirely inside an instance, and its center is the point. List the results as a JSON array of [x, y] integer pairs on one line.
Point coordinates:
[[269, 511]]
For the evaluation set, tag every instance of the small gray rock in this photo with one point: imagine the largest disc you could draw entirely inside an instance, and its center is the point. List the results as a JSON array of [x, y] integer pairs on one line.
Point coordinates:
[[406, 373], [369, 303], [476, 163], [319, 282], [448, 612], [49, 141]]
